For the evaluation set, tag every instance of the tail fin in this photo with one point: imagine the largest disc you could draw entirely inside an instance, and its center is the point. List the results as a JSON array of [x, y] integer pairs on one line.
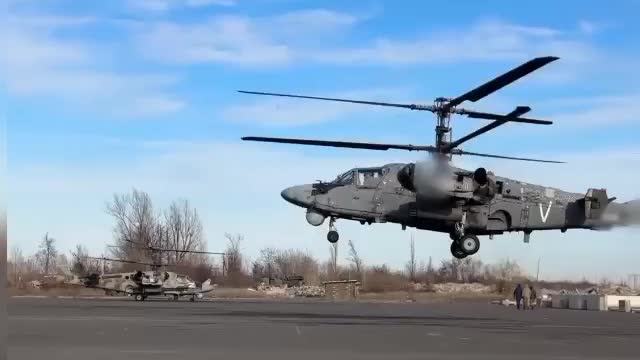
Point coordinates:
[[595, 203]]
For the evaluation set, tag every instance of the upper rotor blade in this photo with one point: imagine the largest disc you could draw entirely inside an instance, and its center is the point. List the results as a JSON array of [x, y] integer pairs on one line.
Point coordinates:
[[462, 152], [122, 261], [489, 116], [406, 106], [520, 110], [342, 144], [188, 251], [502, 80], [152, 248]]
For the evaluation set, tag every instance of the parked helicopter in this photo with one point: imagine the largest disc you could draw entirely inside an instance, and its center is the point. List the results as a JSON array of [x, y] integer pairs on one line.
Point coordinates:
[[141, 284], [435, 196]]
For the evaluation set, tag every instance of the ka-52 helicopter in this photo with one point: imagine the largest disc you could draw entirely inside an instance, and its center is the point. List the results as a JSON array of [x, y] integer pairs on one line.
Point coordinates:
[[435, 196], [141, 284]]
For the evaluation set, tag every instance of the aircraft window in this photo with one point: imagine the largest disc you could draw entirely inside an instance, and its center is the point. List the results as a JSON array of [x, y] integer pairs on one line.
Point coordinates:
[[369, 177], [345, 179]]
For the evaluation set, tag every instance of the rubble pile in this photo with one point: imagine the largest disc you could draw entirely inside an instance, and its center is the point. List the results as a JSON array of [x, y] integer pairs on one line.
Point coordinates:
[[293, 291], [275, 291], [305, 291], [478, 288], [616, 290]]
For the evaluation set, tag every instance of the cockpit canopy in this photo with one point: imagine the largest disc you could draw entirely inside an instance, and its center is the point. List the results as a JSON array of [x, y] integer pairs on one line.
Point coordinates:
[[361, 177]]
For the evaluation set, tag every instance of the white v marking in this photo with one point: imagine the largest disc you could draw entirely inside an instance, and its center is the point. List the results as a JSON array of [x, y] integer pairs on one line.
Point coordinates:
[[546, 214]]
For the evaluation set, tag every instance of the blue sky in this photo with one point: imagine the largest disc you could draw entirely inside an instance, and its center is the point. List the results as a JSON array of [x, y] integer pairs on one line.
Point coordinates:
[[102, 97]]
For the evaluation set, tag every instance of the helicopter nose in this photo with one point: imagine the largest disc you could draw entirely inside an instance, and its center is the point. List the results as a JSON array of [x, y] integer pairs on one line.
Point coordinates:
[[297, 195]]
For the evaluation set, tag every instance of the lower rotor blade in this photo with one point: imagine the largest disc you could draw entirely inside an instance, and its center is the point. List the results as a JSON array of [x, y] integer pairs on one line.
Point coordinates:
[[406, 106], [341, 144], [187, 251], [462, 152], [489, 116], [520, 110], [122, 261]]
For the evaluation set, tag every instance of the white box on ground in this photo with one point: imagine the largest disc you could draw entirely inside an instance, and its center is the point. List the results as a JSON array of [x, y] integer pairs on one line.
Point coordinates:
[[613, 301]]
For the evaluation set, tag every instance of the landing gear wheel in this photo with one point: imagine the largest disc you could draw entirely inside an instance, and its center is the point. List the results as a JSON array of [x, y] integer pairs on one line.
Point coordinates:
[[469, 244], [456, 251], [333, 236], [139, 297], [175, 297], [192, 299]]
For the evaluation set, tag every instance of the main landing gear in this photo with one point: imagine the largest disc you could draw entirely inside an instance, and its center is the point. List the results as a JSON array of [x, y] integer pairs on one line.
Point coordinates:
[[463, 244], [332, 235]]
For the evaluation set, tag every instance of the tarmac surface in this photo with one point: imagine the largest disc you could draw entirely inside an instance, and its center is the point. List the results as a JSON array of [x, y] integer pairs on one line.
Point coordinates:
[[50, 328]]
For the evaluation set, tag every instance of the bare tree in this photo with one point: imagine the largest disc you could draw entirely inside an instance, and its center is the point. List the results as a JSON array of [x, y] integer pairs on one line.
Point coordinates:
[[412, 263], [268, 261], [136, 226], [355, 259], [233, 256], [333, 259], [16, 265], [505, 270], [184, 230], [80, 260], [470, 270], [47, 254]]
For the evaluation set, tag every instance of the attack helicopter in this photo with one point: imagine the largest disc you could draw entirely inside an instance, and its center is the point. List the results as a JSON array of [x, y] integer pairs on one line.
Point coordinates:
[[142, 284], [433, 195]]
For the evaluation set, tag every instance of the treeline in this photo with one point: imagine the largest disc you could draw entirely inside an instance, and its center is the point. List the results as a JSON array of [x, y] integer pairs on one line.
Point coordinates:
[[174, 238]]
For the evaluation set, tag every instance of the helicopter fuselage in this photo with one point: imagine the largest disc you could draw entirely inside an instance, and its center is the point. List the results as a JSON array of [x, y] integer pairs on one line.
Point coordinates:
[[376, 195]]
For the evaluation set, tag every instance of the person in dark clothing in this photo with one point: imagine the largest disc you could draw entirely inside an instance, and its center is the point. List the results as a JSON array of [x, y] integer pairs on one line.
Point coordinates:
[[534, 297], [517, 294]]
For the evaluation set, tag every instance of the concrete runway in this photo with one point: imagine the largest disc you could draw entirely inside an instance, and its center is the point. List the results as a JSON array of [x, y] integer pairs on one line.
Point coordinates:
[[257, 329]]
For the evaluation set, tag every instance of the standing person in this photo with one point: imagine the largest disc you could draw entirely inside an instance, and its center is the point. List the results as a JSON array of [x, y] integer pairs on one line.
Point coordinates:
[[517, 294], [534, 297], [526, 296]]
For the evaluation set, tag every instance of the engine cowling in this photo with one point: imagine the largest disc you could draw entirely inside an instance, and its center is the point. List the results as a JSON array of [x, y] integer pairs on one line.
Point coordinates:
[[438, 181]]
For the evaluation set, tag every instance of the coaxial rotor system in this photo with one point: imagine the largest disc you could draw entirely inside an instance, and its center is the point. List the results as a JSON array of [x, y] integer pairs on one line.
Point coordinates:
[[443, 108]]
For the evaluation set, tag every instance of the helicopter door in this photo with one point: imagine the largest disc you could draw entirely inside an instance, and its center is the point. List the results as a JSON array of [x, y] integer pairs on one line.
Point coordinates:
[[367, 195], [341, 196]]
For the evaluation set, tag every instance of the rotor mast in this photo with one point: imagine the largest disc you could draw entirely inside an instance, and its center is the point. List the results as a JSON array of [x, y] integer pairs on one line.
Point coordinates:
[[443, 128]]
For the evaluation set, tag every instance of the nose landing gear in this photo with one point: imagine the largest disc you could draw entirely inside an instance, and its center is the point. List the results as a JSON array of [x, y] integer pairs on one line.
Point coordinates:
[[332, 235]]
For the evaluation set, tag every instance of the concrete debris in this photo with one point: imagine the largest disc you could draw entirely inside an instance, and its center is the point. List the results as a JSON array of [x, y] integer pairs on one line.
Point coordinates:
[[446, 288], [276, 291], [505, 302], [306, 291], [294, 291]]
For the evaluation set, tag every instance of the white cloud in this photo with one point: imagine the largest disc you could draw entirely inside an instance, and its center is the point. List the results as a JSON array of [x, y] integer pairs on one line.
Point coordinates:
[[273, 40], [485, 40], [596, 111], [160, 6], [284, 39], [228, 39], [41, 63], [314, 18], [587, 27]]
